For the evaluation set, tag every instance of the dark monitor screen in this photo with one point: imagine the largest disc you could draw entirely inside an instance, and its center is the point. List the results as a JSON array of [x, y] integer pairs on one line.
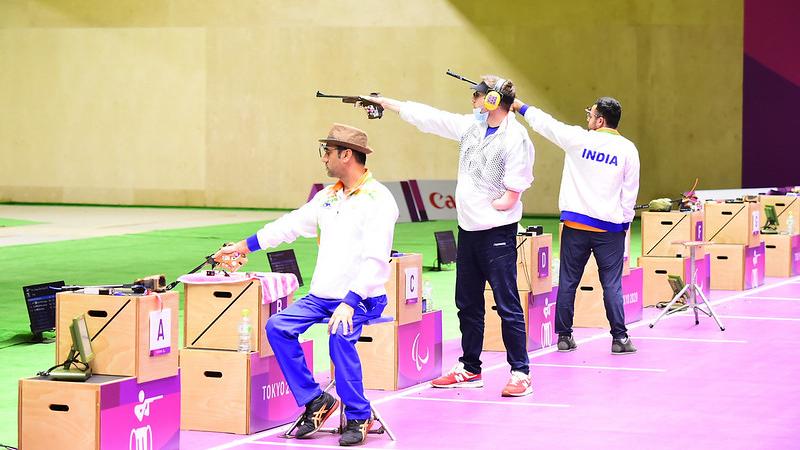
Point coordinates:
[[41, 302], [445, 246], [284, 261]]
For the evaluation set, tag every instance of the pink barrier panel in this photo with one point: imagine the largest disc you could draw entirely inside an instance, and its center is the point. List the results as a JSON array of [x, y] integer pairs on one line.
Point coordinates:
[[271, 402], [541, 319], [142, 416], [632, 295], [755, 266], [419, 350]]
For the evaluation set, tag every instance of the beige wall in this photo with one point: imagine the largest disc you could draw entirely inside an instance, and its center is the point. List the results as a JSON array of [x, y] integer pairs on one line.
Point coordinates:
[[188, 102]]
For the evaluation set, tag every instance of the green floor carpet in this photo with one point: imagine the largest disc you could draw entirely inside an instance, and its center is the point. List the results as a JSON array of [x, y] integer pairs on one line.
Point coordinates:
[[15, 222], [121, 259]]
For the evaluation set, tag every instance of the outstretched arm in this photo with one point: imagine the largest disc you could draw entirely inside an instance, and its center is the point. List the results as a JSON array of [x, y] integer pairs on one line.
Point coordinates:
[[568, 137], [428, 119]]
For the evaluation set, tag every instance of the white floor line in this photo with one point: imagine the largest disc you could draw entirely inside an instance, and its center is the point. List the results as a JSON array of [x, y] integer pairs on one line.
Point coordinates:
[[788, 299], [489, 402], [545, 351], [580, 366], [787, 319], [657, 338]]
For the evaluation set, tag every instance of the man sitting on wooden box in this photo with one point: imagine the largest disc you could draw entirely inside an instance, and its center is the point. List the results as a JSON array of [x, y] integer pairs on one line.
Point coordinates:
[[356, 218]]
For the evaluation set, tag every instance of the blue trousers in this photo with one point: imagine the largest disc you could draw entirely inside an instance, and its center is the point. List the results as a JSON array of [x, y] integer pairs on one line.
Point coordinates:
[[489, 255], [609, 251], [283, 330]]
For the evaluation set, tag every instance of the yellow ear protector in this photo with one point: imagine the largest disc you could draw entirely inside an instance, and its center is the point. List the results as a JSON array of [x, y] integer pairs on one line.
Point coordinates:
[[492, 99]]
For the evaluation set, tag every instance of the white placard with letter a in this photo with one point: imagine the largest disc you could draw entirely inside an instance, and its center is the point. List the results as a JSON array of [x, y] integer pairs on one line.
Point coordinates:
[[160, 328]]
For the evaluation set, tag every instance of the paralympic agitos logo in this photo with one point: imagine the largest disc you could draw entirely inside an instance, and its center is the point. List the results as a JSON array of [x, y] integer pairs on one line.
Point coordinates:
[[419, 360]]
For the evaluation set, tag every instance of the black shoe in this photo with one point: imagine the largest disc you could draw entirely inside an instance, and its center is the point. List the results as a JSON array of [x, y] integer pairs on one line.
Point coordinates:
[[317, 412], [355, 433], [566, 343], [622, 346]]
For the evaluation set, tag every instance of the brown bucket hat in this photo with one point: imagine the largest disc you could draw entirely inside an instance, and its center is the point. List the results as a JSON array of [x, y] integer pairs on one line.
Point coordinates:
[[347, 136]]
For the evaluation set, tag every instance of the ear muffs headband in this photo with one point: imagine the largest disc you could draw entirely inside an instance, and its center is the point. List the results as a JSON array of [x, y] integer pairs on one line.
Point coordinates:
[[493, 97]]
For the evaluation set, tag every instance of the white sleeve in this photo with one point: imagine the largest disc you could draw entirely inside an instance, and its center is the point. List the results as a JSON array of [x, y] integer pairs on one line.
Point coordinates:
[[568, 137], [287, 228], [630, 186], [377, 238], [519, 164], [431, 120]]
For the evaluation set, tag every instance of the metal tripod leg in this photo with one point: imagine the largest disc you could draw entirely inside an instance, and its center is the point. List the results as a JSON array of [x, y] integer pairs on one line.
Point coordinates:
[[288, 434], [669, 305], [710, 309], [384, 426], [693, 296]]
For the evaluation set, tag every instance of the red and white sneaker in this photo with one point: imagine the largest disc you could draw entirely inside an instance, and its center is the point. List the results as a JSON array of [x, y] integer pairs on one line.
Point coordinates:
[[458, 377], [518, 386]]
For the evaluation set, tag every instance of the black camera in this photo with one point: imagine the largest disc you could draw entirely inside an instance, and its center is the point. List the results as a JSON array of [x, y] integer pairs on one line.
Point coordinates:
[[532, 230]]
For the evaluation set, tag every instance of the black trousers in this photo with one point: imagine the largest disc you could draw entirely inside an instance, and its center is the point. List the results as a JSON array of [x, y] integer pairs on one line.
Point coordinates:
[[609, 251], [489, 255]]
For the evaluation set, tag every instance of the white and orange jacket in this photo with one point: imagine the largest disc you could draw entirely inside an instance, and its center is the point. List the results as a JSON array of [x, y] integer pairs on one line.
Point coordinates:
[[600, 181], [355, 239]]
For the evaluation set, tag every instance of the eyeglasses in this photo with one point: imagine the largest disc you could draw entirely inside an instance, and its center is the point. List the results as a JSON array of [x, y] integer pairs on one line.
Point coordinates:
[[589, 114], [325, 150]]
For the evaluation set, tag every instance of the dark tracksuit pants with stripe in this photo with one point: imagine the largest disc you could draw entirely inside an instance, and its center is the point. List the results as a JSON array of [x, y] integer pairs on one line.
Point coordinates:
[[489, 255]]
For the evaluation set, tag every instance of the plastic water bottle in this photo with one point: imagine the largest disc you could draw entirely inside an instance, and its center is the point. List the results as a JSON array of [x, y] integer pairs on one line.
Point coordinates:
[[790, 224], [427, 295], [244, 331]]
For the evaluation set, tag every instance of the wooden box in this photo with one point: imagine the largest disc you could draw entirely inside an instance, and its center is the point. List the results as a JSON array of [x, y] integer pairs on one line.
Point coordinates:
[[783, 254], [534, 254], [404, 288], [492, 331], [656, 269], [591, 269], [539, 311], [122, 346], [213, 313], [735, 267], [661, 229], [784, 205], [590, 310], [104, 412], [395, 356], [235, 392], [732, 223]]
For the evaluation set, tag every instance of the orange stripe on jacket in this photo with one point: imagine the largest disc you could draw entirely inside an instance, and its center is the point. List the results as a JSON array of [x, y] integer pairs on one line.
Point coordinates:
[[580, 226]]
